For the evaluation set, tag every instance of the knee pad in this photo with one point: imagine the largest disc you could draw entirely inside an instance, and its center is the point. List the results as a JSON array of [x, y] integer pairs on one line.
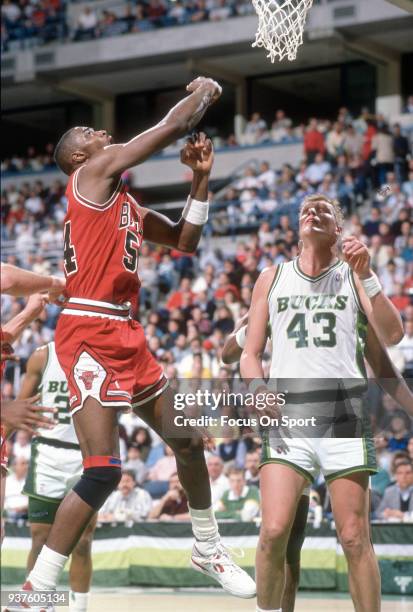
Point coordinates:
[[98, 481]]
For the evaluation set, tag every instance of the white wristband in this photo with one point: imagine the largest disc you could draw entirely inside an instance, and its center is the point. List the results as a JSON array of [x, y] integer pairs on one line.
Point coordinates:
[[241, 336], [371, 285], [195, 212]]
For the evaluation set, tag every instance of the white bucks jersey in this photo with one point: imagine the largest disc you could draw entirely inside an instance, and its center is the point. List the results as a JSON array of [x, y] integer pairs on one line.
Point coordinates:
[[55, 394], [318, 328]]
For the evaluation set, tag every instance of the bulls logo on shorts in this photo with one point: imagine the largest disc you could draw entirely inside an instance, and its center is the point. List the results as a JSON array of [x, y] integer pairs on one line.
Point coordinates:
[[89, 375]]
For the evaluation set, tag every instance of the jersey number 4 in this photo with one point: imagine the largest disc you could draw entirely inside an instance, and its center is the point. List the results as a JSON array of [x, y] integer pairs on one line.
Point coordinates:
[[297, 330], [69, 252]]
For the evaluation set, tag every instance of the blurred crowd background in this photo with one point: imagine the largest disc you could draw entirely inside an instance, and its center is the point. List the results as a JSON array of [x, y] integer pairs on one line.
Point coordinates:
[[190, 303]]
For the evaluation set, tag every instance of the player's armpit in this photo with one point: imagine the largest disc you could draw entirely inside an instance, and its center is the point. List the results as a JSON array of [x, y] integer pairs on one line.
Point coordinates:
[[34, 371]]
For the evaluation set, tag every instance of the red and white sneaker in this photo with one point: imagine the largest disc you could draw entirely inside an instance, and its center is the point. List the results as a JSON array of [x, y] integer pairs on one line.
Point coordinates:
[[219, 566], [30, 607]]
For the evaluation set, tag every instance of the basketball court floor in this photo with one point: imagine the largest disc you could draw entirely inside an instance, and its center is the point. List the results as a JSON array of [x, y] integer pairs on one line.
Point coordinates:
[[165, 600]]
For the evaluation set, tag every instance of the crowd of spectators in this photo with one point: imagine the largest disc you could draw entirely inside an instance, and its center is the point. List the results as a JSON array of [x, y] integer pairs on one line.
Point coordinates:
[[34, 22], [190, 303]]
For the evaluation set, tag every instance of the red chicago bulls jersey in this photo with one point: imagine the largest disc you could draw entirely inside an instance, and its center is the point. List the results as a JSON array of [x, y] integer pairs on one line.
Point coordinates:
[[101, 246]]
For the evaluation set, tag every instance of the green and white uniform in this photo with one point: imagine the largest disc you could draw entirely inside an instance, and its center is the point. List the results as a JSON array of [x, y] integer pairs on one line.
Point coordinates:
[[56, 460], [318, 332]]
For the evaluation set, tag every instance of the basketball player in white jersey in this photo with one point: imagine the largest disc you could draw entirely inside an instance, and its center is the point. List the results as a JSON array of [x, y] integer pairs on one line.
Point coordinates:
[[55, 465], [392, 383], [318, 311]]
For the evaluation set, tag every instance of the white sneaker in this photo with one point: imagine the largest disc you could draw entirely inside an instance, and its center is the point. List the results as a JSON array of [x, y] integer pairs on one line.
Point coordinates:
[[219, 566]]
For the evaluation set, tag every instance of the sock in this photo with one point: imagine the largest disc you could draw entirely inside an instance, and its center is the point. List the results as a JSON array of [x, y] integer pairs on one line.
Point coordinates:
[[78, 601], [47, 568], [205, 529], [262, 610]]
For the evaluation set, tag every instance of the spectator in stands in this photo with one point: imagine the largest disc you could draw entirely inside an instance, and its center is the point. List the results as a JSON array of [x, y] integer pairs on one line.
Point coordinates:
[[160, 473], [22, 447], [401, 151], [173, 506], [353, 141], [16, 504], [252, 469], [199, 12], [156, 12], [86, 25], [218, 481], [409, 105], [397, 502], [221, 10], [382, 147], [317, 170], [254, 129], [335, 141], [240, 502], [313, 141], [135, 464], [399, 433], [129, 503]]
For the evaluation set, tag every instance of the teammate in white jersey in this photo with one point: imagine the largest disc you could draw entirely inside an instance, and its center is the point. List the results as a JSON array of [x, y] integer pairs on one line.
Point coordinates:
[[318, 312], [55, 465]]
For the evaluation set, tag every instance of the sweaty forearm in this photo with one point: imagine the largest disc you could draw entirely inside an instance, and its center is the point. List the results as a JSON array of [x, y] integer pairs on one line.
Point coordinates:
[[189, 111]]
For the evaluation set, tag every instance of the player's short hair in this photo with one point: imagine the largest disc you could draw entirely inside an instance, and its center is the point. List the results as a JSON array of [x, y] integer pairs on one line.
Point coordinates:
[[63, 151], [316, 197]]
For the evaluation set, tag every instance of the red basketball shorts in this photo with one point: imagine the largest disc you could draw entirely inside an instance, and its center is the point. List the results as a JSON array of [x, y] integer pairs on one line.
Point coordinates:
[[104, 355]]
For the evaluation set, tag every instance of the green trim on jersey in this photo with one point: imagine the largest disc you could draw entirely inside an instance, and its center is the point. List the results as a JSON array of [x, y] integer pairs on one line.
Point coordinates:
[[29, 487], [314, 279], [275, 280]]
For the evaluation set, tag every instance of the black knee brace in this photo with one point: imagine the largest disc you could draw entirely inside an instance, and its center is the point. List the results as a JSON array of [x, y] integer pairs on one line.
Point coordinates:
[[96, 484]]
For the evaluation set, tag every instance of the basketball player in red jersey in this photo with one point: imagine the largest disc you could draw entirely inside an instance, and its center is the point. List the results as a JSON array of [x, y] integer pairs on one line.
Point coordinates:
[[103, 351]]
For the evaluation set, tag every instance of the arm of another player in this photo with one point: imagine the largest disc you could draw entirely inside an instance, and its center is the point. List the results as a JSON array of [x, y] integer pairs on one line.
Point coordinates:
[[380, 311], [33, 309], [386, 373], [251, 358], [23, 413], [184, 235], [181, 119], [20, 283], [235, 342]]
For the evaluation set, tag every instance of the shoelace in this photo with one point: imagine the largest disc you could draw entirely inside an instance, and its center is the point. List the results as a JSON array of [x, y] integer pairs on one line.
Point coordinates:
[[223, 557]]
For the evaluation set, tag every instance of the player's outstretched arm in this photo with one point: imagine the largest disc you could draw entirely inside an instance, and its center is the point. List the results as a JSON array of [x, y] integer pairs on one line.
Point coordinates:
[[386, 373], [20, 283], [377, 306], [251, 358], [33, 309], [184, 235], [235, 342], [181, 119]]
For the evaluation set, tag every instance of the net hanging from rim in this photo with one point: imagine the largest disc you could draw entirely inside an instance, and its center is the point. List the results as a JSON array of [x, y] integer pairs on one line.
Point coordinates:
[[280, 26]]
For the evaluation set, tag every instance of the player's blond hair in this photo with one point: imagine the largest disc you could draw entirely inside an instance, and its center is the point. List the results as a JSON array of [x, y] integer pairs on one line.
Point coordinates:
[[316, 197]]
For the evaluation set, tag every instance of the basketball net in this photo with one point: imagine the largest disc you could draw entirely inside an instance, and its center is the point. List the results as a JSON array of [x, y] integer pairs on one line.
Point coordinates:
[[280, 26]]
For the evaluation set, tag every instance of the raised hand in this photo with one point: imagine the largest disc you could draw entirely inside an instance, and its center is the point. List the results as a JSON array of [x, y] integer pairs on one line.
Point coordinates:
[[356, 254], [198, 153], [210, 85]]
